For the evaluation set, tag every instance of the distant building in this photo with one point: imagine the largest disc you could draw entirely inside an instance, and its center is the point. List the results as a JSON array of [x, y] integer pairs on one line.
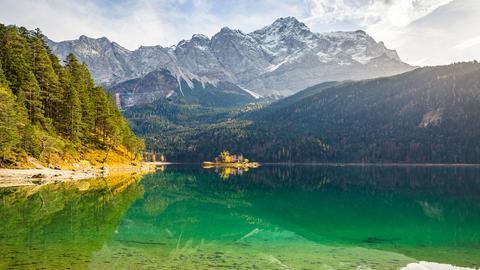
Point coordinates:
[[117, 101]]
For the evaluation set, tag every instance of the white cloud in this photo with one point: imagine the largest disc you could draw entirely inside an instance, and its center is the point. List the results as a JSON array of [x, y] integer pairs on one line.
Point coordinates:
[[397, 13], [424, 32], [62, 20], [415, 28], [446, 35], [132, 23]]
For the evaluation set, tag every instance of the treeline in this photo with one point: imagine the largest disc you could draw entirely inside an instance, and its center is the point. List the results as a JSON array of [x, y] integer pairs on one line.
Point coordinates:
[[48, 109], [195, 133]]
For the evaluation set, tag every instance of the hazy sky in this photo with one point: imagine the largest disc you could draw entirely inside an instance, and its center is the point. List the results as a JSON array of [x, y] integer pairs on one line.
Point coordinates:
[[424, 32]]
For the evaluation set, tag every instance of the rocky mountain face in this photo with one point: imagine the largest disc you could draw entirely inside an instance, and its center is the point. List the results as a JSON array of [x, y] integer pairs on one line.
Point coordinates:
[[280, 59], [162, 84]]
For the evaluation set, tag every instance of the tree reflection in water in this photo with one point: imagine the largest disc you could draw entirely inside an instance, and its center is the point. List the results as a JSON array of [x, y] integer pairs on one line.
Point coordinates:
[[225, 172], [58, 226]]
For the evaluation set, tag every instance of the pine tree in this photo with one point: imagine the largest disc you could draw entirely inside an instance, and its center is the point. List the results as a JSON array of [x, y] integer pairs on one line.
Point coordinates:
[[87, 99], [18, 71], [9, 133], [47, 79], [3, 80], [46, 108], [61, 118], [101, 112], [12, 120], [72, 100]]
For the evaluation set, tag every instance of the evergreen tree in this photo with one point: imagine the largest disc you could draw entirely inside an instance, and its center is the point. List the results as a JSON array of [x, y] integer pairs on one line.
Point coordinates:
[[87, 97], [47, 79], [61, 118], [11, 123], [18, 71], [72, 100], [47, 108], [9, 135], [3, 80], [101, 112]]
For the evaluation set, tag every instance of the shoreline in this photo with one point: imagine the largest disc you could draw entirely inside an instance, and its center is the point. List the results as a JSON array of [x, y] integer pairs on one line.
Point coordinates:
[[41, 176], [359, 164], [346, 164], [159, 163]]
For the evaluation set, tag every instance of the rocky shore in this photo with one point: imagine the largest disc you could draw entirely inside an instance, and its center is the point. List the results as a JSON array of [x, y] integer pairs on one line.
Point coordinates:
[[39, 176]]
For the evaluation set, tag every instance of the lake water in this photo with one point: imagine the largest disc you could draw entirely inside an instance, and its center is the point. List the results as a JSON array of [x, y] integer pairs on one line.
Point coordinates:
[[273, 217]]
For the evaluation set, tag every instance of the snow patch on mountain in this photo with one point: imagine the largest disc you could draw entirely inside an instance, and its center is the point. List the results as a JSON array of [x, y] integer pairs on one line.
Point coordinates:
[[279, 59], [253, 94]]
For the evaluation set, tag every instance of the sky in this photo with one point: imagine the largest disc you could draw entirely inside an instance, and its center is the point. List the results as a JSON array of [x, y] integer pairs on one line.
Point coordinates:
[[424, 32]]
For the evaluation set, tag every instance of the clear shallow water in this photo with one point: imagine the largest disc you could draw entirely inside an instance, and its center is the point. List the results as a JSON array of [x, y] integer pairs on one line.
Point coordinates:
[[274, 217]]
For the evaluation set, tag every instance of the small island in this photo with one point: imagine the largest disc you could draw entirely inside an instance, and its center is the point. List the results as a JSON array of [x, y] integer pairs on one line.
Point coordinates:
[[225, 159], [227, 165]]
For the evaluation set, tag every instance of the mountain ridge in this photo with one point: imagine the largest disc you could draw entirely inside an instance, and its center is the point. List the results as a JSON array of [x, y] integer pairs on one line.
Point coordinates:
[[159, 84], [278, 59]]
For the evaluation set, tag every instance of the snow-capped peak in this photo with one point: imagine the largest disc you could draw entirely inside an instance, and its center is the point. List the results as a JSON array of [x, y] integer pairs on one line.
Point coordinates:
[[283, 57], [288, 23], [196, 40], [200, 37], [283, 27], [227, 31]]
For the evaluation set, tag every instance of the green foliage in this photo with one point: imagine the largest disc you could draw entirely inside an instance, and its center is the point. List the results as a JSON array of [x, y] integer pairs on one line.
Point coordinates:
[[48, 82], [72, 99], [195, 133], [11, 124], [46, 108], [17, 66]]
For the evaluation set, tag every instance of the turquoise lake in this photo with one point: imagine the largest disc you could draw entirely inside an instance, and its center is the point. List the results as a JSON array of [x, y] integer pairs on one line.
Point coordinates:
[[272, 217]]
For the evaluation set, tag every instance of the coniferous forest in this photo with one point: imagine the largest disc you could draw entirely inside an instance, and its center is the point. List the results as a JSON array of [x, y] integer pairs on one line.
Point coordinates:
[[429, 115], [51, 110]]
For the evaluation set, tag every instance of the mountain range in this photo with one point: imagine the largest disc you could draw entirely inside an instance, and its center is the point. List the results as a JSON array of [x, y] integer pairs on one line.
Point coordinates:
[[277, 60]]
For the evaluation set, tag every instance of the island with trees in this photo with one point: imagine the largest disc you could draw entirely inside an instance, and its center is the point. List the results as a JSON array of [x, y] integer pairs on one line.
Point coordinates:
[[227, 164], [225, 159]]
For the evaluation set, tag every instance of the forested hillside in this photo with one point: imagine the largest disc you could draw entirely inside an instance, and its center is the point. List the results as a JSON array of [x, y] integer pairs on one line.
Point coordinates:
[[431, 114], [53, 112], [428, 115]]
